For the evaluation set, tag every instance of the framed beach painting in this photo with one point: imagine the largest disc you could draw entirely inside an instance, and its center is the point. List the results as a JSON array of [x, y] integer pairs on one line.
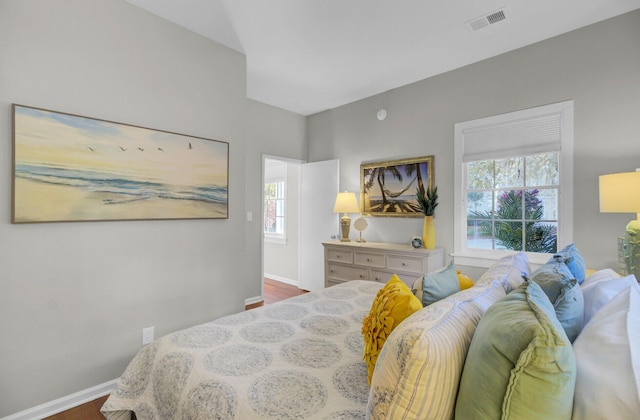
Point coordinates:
[[69, 168], [389, 188]]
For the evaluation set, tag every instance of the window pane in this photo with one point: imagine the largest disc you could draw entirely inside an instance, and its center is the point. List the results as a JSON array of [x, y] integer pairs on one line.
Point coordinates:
[[509, 172], [269, 216], [270, 190], [280, 190], [542, 169], [480, 175], [280, 208], [479, 234], [508, 235], [509, 205], [479, 202], [541, 237], [549, 199]]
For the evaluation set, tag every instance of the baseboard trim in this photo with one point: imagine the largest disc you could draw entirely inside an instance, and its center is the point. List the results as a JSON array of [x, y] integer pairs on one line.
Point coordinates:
[[61, 404], [257, 299], [252, 300], [281, 279]]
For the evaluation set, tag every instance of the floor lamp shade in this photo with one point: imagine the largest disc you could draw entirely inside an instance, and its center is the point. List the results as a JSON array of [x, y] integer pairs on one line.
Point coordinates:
[[620, 193], [346, 202]]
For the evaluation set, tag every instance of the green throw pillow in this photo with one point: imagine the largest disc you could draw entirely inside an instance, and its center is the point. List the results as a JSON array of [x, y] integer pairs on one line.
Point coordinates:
[[520, 364]]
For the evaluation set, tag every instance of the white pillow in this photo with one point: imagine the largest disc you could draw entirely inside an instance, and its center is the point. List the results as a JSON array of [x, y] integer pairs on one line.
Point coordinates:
[[508, 270], [608, 360], [597, 294], [418, 371], [601, 275]]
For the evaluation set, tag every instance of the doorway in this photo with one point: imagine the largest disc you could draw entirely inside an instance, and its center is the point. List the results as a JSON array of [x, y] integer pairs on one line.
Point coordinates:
[[297, 216]]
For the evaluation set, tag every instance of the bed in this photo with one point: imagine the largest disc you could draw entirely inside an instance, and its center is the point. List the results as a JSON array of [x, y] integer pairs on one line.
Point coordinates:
[[302, 357], [298, 358]]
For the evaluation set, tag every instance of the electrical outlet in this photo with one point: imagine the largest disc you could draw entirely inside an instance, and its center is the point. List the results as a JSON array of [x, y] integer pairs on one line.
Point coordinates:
[[147, 335]]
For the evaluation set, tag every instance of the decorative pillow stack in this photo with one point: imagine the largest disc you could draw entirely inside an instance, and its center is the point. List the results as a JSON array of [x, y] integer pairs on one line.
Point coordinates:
[[572, 257], [520, 364], [393, 303], [419, 369], [438, 285], [564, 292], [508, 270], [608, 358]]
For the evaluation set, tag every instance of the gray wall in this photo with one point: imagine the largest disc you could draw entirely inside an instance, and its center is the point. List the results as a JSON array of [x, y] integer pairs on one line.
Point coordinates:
[[596, 66], [271, 131], [75, 296]]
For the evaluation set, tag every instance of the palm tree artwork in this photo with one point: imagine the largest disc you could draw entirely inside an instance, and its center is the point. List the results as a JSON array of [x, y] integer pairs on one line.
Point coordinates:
[[388, 189]]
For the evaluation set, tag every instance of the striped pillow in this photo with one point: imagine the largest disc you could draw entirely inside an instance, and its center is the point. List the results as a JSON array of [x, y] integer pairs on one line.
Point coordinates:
[[419, 368]]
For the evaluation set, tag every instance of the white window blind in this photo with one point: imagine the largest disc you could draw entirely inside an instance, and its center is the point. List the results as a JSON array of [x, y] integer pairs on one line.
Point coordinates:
[[503, 139]]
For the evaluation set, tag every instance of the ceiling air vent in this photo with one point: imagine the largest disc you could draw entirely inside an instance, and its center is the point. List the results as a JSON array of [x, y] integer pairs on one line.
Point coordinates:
[[486, 20]]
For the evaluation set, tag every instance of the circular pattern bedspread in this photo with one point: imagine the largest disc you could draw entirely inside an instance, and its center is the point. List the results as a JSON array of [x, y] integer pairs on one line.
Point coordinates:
[[299, 358]]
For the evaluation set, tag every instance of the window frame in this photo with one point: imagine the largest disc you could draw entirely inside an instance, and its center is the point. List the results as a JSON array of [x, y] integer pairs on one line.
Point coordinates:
[[279, 238], [486, 257]]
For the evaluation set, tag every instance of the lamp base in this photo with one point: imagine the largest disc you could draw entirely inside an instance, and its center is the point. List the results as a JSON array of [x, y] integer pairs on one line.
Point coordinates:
[[632, 248], [345, 224]]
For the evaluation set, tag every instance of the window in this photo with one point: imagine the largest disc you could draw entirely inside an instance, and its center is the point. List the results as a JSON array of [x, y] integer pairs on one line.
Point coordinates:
[[274, 206], [513, 184]]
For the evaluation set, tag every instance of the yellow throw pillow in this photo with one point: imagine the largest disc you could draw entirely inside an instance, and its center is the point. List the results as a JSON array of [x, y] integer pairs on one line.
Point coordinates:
[[393, 303], [465, 281]]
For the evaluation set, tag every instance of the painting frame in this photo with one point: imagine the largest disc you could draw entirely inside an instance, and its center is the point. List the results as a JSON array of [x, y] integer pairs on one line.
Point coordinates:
[[376, 195], [72, 168]]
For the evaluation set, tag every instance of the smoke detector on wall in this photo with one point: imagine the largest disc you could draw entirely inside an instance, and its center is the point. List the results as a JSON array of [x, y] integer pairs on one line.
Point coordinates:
[[486, 20]]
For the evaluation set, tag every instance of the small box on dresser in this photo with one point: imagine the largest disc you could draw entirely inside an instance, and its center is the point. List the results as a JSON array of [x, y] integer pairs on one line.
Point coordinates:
[[344, 261]]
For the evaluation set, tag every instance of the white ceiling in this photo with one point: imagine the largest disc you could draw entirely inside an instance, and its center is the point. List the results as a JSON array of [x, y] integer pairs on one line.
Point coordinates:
[[307, 56]]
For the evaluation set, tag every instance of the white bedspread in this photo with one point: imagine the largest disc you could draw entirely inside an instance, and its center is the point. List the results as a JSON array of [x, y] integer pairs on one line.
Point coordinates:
[[299, 358]]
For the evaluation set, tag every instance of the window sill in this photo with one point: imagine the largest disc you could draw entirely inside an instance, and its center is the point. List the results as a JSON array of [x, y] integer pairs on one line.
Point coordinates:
[[487, 259], [280, 240]]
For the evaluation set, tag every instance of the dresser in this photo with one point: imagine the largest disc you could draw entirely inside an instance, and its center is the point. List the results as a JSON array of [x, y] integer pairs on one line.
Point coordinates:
[[344, 261]]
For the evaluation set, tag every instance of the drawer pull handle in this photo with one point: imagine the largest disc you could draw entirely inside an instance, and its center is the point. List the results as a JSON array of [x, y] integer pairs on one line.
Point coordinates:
[[368, 259], [403, 264], [361, 276], [333, 271], [337, 255], [377, 278]]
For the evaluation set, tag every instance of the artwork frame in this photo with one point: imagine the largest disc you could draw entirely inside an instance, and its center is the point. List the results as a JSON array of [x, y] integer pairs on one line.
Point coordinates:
[[377, 200], [73, 168]]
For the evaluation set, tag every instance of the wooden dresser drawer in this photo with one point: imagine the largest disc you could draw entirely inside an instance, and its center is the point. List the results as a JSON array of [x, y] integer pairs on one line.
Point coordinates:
[[399, 263], [385, 276], [340, 256], [378, 261], [371, 260], [381, 276], [343, 272]]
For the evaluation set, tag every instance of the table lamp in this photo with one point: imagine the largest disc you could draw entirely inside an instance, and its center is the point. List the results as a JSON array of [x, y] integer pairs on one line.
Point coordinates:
[[346, 203], [620, 193]]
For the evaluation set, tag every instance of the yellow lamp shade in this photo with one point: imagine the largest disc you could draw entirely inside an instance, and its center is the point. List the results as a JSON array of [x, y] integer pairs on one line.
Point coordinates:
[[620, 193], [346, 202]]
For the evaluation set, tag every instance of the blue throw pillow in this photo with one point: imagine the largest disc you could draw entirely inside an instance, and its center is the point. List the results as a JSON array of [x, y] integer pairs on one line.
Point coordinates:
[[564, 292], [440, 284], [574, 261]]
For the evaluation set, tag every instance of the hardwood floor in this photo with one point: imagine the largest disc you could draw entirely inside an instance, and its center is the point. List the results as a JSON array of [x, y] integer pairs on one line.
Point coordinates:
[[88, 411], [273, 292]]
